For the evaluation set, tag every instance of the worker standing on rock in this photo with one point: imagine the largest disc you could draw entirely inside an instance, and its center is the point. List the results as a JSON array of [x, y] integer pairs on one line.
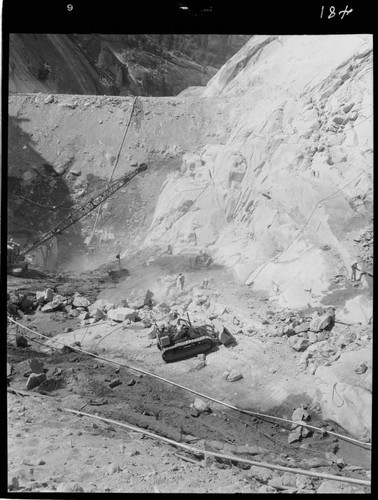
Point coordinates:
[[354, 271], [180, 281], [118, 256]]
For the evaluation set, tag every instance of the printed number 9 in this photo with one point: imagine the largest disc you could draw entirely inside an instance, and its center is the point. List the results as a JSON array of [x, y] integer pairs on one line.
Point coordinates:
[[69, 7]]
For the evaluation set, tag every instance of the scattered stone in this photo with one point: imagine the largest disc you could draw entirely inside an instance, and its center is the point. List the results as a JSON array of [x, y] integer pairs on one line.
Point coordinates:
[[36, 365], [289, 479], [300, 414], [303, 482], [300, 345], [69, 488], [306, 432], [229, 448], [201, 406], [360, 368], [104, 305], [341, 462], [113, 468], [97, 313], [226, 337], [261, 473], [80, 301], [314, 462], [242, 449], [256, 450], [234, 376], [48, 295], [304, 327], [21, 341], [49, 99], [34, 380], [34, 461], [288, 330], [114, 383], [265, 488], [194, 412], [296, 435], [200, 365], [122, 314], [75, 173], [14, 484], [331, 457], [330, 486], [217, 445], [321, 322], [152, 334]]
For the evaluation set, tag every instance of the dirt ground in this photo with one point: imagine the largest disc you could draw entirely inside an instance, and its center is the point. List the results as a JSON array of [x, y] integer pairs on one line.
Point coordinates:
[[53, 450]]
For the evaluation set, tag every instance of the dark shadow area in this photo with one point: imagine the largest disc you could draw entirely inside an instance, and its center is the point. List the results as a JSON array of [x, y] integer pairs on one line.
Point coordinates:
[[38, 197]]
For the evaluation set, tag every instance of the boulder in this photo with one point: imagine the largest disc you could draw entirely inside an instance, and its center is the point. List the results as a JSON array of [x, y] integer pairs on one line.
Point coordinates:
[[102, 305], [234, 376], [122, 314], [288, 330], [217, 310], [361, 368], [69, 488], [330, 486], [48, 295], [295, 435], [80, 301], [225, 337], [139, 299], [320, 323], [300, 414], [49, 99], [96, 313], [51, 306], [21, 341], [304, 327], [300, 344], [201, 406], [26, 305], [345, 397], [34, 380], [36, 365]]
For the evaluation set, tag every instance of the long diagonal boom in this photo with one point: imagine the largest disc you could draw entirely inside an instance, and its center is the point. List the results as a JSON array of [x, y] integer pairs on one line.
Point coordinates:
[[85, 209]]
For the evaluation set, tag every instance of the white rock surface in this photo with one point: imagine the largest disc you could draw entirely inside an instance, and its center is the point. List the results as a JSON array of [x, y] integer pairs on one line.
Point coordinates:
[[281, 185], [122, 314], [346, 396]]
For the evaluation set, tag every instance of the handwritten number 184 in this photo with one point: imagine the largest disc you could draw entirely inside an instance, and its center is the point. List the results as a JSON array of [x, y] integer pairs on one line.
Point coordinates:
[[332, 12]]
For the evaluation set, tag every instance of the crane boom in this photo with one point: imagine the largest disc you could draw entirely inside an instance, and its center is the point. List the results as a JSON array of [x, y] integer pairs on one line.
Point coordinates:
[[85, 209]]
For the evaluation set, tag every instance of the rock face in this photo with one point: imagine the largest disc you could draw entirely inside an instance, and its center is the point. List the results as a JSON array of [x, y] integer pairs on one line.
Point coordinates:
[[259, 196], [116, 64]]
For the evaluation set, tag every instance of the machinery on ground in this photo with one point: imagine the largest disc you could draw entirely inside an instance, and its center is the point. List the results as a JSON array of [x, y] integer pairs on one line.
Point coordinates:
[[16, 264], [182, 341]]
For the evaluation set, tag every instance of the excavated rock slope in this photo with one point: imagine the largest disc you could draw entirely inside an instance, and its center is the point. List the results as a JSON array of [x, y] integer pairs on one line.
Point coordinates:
[[101, 64], [270, 168]]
